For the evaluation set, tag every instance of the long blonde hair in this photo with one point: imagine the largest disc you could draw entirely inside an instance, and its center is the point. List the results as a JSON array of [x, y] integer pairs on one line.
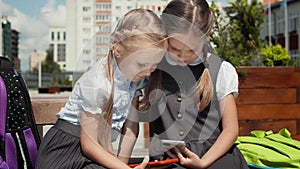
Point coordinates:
[[200, 20], [137, 29]]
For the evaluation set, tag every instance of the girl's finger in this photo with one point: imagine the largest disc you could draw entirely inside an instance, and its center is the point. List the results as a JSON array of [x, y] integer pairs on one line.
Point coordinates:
[[187, 152], [180, 156], [170, 154], [144, 163]]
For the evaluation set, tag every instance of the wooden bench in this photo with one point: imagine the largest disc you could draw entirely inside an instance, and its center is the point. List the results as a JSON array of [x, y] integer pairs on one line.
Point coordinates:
[[269, 99], [45, 110]]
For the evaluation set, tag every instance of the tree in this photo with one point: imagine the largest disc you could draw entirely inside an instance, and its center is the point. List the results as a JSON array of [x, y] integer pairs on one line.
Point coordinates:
[[48, 65], [236, 35]]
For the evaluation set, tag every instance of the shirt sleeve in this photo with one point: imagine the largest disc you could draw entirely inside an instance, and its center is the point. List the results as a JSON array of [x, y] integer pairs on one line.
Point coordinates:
[[227, 81], [94, 89]]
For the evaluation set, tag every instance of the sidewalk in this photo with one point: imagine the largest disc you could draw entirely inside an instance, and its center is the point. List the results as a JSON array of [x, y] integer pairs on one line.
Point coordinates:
[[35, 95]]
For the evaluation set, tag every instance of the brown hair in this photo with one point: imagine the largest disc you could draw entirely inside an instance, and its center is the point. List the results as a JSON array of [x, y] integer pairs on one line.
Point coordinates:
[[200, 20]]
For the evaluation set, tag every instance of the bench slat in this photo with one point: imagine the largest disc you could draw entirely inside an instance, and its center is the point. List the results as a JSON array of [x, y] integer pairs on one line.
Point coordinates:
[[268, 111], [45, 111], [267, 96]]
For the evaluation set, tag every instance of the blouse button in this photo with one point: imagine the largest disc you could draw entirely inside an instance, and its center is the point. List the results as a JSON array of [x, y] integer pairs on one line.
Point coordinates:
[[180, 82], [179, 99], [179, 115], [181, 133]]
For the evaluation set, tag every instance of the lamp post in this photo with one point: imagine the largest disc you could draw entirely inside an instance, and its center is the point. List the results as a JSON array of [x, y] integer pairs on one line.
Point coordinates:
[[40, 68], [269, 18], [40, 71]]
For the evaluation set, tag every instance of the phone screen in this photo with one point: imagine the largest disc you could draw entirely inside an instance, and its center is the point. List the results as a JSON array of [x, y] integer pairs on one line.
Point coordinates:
[[169, 144]]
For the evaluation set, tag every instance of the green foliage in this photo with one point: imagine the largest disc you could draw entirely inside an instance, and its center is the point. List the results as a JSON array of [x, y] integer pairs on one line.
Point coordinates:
[[242, 73], [61, 80], [50, 66], [276, 56], [236, 33]]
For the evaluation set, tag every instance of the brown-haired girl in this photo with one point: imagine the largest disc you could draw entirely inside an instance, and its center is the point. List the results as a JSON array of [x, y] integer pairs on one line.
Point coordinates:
[[191, 94], [101, 99]]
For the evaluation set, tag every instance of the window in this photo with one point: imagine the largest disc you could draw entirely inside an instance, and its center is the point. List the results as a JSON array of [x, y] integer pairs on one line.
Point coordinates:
[[281, 25], [86, 20], [101, 51], [86, 52], [103, 7], [51, 46], [58, 35], [86, 30], [52, 35], [293, 21], [104, 28], [65, 36], [103, 18], [61, 52], [86, 8], [86, 62], [102, 40]]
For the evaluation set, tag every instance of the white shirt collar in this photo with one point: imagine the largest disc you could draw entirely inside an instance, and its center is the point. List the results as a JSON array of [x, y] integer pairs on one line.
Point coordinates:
[[195, 62]]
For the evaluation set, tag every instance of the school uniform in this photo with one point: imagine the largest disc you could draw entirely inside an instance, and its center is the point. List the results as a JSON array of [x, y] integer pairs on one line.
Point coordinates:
[[175, 115], [60, 148]]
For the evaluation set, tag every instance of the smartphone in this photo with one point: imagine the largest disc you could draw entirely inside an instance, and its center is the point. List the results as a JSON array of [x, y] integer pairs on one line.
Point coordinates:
[[169, 144]]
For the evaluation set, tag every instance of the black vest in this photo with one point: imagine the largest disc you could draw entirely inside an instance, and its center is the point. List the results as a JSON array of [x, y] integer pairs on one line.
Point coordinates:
[[175, 116]]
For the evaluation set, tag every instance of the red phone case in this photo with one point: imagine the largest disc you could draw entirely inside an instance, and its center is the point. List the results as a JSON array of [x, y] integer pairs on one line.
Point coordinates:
[[158, 163]]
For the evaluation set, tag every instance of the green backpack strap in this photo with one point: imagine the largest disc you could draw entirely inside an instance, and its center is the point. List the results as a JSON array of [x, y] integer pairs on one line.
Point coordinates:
[[284, 137], [266, 149]]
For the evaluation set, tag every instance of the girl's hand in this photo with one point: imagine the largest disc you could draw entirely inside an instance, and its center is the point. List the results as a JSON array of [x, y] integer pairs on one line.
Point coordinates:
[[190, 159], [143, 164]]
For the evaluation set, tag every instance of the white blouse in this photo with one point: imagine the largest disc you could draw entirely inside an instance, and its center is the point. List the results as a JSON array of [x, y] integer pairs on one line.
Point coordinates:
[[227, 79], [92, 91]]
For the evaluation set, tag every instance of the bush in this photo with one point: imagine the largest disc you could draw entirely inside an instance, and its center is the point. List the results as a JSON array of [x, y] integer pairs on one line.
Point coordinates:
[[275, 55]]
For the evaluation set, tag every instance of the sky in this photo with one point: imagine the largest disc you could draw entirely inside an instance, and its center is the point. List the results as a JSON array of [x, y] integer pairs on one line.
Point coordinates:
[[32, 19]]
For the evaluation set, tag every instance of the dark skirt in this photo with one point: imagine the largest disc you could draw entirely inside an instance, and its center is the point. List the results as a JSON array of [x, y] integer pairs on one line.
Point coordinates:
[[233, 159], [230, 160], [60, 149]]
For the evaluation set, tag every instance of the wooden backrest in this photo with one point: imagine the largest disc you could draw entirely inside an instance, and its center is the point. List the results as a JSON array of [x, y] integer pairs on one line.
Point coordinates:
[[269, 99]]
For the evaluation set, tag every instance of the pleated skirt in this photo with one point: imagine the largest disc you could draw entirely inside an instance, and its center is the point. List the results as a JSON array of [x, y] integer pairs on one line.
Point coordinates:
[[60, 149]]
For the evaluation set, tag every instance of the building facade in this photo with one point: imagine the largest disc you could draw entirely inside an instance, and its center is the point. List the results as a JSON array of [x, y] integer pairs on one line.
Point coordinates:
[[57, 38], [89, 24], [9, 42], [6, 38], [275, 29], [81, 30]]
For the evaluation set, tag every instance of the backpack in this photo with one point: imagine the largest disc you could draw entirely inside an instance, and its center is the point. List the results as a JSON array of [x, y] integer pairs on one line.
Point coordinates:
[[19, 137], [266, 150]]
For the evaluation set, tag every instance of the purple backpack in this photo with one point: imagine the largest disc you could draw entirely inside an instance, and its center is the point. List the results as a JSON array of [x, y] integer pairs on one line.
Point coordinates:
[[19, 138]]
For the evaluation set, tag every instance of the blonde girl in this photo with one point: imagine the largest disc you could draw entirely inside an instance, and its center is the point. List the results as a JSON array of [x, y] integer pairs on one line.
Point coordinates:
[[102, 98]]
